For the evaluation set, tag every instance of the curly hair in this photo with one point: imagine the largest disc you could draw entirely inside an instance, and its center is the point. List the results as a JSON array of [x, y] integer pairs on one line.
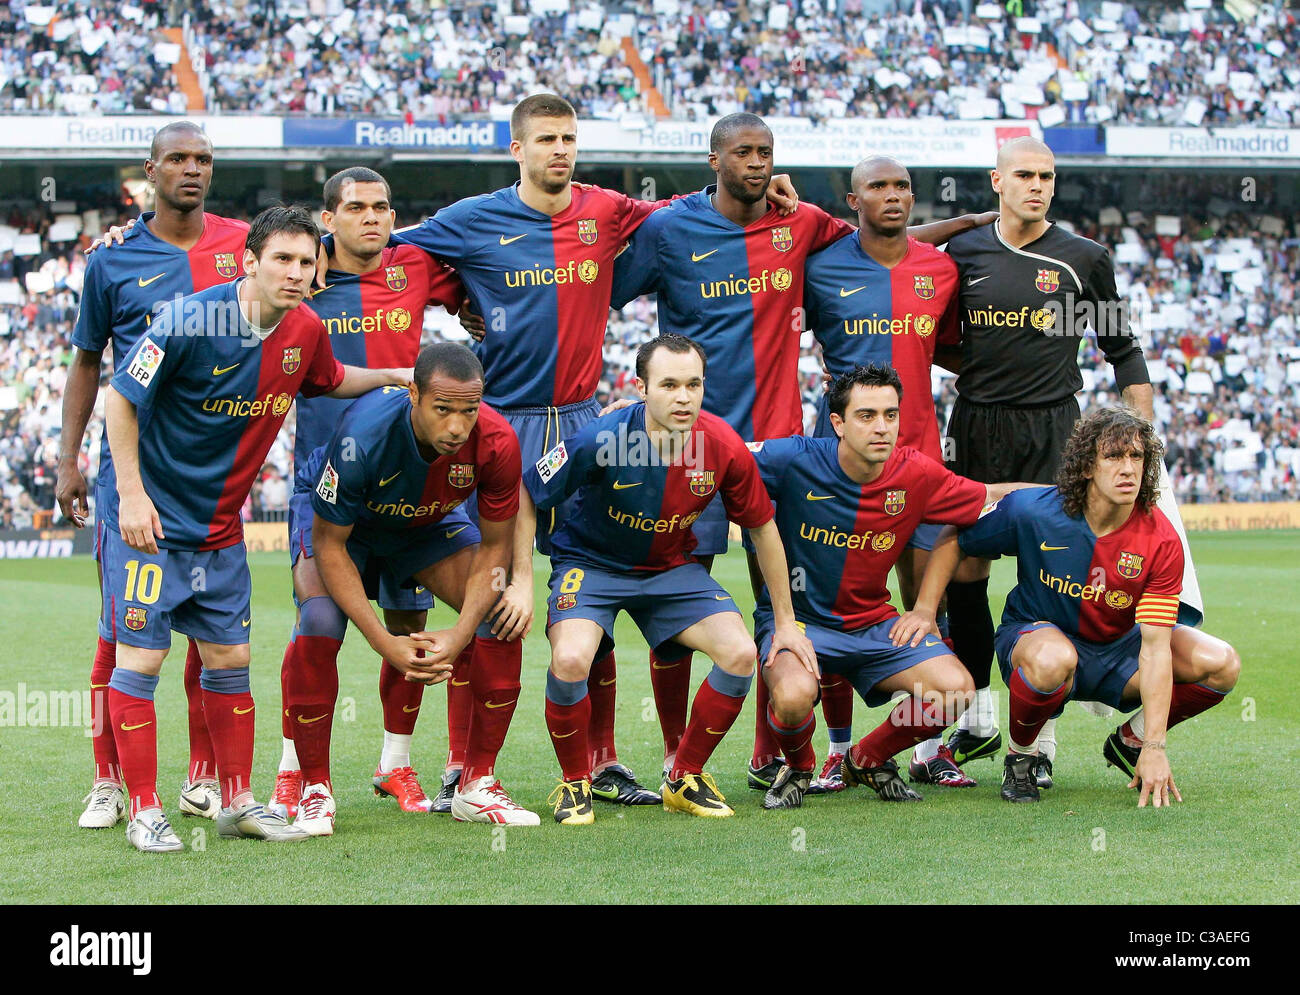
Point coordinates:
[[1105, 432]]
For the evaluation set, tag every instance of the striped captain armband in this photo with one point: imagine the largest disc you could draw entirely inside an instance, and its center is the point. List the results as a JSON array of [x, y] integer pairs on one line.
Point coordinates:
[[1157, 609]]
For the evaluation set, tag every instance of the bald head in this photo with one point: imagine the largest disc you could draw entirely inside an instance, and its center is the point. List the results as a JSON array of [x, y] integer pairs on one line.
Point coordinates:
[[1020, 148], [874, 167], [178, 131]]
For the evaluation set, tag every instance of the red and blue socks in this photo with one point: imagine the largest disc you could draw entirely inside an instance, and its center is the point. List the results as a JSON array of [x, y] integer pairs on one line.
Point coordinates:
[[101, 726], [1030, 709], [494, 684], [568, 717], [203, 759], [671, 680], [232, 719], [717, 703], [602, 684], [135, 734], [795, 740]]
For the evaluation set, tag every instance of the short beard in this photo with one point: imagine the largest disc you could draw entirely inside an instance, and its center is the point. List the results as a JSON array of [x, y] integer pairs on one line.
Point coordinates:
[[740, 191], [542, 180]]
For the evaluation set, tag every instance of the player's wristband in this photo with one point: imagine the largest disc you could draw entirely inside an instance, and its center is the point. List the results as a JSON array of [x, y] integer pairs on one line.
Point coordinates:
[[1153, 745]]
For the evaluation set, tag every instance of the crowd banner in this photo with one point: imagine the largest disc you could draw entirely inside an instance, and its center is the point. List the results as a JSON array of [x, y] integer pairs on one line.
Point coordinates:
[[804, 142], [1202, 143], [395, 133], [135, 132], [45, 544]]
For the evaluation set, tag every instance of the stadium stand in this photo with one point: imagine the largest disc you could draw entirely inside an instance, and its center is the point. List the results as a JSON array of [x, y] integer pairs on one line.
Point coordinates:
[[1134, 63]]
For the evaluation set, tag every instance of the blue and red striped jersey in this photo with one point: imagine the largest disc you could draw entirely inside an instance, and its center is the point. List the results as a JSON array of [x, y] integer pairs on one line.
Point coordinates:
[[634, 512], [127, 285], [1090, 587], [375, 321], [541, 283], [211, 397], [841, 537], [739, 293], [372, 474], [863, 313]]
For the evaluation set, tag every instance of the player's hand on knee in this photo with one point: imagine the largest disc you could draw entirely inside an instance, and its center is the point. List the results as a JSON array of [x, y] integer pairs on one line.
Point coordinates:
[[1156, 779], [791, 639], [512, 617], [911, 627]]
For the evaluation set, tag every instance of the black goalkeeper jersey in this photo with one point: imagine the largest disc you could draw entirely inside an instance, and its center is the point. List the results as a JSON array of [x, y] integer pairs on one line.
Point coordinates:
[[1024, 312]]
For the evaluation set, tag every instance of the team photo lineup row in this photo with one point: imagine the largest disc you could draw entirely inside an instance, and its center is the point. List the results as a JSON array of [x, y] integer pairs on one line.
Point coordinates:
[[414, 491]]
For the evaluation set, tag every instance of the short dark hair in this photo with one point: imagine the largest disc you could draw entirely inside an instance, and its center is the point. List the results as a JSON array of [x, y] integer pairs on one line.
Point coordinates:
[[276, 220], [538, 105], [673, 343], [166, 131], [353, 174], [871, 375], [732, 123], [1101, 433], [451, 359]]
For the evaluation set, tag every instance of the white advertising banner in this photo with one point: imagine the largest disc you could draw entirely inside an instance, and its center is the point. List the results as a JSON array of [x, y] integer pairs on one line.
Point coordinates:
[[1202, 143], [135, 132], [799, 142]]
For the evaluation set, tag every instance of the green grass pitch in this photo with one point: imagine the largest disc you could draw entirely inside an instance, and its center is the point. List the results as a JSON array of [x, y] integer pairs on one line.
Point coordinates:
[[1231, 841]]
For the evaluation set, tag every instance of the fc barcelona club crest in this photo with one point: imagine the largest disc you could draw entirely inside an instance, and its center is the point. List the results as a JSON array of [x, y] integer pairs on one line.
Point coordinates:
[[225, 263], [1129, 565], [924, 286], [461, 475], [135, 618], [565, 602], [782, 240], [395, 277], [701, 482], [291, 360], [587, 231], [1048, 280], [895, 502]]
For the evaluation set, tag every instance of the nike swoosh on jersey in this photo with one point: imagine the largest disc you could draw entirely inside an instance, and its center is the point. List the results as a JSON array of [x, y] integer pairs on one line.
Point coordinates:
[[623, 487], [308, 722], [244, 711], [1047, 549], [219, 370], [388, 480], [141, 281], [850, 293], [507, 241], [722, 597], [819, 497], [703, 255], [455, 532], [976, 279], [127, 728]]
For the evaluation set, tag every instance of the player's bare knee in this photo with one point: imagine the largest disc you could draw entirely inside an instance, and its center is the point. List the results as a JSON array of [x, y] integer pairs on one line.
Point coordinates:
[[403, 623], [1050, 664], [737, 658], [792, 698], [568, 665], [1225, 668]]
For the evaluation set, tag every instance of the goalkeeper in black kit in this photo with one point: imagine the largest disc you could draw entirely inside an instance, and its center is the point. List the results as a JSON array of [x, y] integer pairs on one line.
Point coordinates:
[[1029, 290]]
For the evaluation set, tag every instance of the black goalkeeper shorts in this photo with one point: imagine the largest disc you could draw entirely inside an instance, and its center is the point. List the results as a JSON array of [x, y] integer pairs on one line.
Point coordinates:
[[996, 444]]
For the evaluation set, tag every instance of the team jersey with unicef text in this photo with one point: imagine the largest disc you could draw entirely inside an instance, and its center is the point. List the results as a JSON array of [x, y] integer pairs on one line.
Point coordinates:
[[1090, 587], [373, 476], [633, 512], [738, 292], [126, 285], [863, 313], [541, 283], [375, 321], [211, 398], [1024, 312], [844, 537]]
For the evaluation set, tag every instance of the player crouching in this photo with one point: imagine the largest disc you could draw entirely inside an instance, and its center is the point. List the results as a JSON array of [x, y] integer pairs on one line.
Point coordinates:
[[642, 475], [1094, 612], [387, 509], [846, 508]]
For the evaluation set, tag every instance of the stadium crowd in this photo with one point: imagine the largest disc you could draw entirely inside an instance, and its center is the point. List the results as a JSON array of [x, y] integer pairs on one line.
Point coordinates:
[[1090, 61], [1215, 310]]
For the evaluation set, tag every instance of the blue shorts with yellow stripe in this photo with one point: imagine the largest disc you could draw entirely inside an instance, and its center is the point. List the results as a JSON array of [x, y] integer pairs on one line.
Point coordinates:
[[662, 604], [864, 657]]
